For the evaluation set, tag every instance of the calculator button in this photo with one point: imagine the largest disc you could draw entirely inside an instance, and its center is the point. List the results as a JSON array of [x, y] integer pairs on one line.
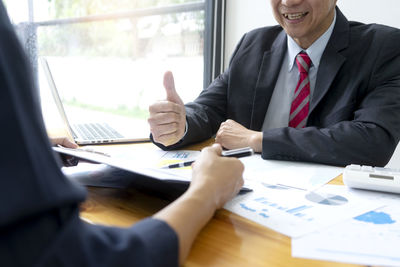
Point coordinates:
[[367, 168], [353, 167]]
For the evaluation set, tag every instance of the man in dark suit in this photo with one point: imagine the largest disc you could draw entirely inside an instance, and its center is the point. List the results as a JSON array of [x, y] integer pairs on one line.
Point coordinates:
[[317, 88], [39, 213]]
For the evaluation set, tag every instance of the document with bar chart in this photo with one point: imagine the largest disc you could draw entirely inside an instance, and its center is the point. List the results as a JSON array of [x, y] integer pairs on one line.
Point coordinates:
[[371, 238], [296, 212]]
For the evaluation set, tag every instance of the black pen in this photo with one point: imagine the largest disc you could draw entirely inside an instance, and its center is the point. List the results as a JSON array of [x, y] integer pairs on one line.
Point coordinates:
[[237, 153], [178, 165]]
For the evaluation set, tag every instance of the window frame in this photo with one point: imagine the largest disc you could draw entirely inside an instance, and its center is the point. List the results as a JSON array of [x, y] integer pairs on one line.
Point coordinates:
[[214, 40], [213, 27]]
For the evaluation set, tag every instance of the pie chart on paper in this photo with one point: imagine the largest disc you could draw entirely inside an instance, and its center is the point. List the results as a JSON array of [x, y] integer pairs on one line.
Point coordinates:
[[326, 199]]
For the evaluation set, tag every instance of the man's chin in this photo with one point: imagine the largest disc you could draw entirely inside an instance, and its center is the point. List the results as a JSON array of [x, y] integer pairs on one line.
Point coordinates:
[[296, 34]]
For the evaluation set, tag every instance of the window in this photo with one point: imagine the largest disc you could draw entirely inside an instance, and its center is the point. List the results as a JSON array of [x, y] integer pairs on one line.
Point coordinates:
[[108, 57]]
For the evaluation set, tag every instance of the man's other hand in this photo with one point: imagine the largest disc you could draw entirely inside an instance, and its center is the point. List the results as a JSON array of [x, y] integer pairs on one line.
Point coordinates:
[[233, 135]]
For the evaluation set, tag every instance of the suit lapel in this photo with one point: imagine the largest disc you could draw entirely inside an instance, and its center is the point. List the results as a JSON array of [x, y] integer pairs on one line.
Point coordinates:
[[331, 60], [267, 77]]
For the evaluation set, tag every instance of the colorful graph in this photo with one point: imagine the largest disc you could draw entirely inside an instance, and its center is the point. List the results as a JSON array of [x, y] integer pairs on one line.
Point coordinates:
[[326, 199], [375, 218]]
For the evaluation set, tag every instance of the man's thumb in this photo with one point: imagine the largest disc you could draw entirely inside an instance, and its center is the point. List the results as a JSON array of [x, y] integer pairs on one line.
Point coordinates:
[[169, 85]]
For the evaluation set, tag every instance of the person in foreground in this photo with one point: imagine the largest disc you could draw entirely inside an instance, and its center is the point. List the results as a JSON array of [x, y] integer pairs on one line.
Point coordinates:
[[39, 214], [316, 88]]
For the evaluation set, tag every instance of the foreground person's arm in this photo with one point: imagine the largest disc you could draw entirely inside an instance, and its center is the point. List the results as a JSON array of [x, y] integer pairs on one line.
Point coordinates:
[[215, 180]]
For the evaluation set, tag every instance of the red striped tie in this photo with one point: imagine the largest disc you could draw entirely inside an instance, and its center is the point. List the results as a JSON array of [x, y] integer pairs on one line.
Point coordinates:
[[301, 99]]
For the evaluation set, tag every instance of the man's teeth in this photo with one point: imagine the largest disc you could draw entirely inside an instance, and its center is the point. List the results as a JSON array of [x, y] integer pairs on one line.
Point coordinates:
[[294, 16]]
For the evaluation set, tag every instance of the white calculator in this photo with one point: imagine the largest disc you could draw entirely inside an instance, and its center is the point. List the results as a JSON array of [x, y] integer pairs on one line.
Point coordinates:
[[372, 178]]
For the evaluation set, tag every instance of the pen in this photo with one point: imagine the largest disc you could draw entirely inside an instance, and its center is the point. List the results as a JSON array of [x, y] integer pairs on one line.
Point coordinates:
[[237, 153], [178, 165], [245, 190]]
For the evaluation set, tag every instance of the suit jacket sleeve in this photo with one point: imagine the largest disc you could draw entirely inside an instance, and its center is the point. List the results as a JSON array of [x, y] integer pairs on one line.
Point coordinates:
[[60, 238]]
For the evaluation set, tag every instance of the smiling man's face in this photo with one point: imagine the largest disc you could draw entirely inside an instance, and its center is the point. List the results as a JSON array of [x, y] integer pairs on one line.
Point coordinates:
[[304, 20]]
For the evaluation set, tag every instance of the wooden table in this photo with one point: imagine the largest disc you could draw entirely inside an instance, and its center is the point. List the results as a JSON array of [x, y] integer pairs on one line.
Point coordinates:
[[227, 240]]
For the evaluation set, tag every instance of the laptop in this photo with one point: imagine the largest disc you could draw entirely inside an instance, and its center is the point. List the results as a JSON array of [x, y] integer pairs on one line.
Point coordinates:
[[93, 133]]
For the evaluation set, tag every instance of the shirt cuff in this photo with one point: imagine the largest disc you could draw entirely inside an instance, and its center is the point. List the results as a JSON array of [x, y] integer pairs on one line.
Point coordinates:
[[186, 129]]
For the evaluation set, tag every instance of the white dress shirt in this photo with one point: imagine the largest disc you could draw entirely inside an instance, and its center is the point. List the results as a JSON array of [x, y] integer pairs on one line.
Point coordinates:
[[279, 107]]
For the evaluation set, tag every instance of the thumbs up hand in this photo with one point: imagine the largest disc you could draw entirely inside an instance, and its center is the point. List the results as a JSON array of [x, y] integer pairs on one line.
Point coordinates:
[[168, 117], [169, 85]]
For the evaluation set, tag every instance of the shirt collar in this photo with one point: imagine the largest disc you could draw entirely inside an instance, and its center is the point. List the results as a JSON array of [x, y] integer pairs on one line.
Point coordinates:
[[315, 51]]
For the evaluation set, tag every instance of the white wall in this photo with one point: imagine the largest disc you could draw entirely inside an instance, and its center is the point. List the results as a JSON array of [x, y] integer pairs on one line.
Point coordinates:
[[244, 15]]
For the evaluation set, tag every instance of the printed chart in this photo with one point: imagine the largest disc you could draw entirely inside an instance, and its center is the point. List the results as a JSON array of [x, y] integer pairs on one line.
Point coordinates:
[[371, 238], [326, 199], [295, 212]]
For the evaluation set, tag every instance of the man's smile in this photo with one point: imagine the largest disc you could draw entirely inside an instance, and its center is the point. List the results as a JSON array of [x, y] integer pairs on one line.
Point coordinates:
[[295, 16]]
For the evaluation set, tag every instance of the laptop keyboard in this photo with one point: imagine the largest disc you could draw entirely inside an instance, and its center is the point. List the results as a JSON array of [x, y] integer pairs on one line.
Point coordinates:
[[96, 131]]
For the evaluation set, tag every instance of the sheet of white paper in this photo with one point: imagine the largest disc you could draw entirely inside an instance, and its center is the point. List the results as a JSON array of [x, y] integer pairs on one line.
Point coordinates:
[[145, 157], [307, 176], [141, 161], [372, 238], [295, 212]]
